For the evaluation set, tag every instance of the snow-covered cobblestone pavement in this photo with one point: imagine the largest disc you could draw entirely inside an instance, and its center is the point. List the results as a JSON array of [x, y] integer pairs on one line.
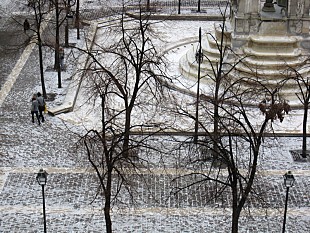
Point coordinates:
[[70, 191], [152, 222]]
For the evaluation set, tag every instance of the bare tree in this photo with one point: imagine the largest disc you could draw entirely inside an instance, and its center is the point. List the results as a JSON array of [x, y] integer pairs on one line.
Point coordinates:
[[57, 65], [134, 66], [41, 10], [112, 169], [221, 69], [238, 148], [304, 97], [128, 70], [231, 134], [62, 10]]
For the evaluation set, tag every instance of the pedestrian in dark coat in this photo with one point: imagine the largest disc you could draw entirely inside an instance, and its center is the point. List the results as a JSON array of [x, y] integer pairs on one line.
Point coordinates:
[[41, 103], [35, 109], [26, 25], [62, 57]]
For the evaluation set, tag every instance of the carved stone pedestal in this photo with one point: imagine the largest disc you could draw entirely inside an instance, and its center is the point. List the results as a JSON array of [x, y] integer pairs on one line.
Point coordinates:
[[268, 6]]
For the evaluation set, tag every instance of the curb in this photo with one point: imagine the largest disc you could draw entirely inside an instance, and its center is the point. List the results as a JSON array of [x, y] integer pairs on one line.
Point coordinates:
[[7, 86], [74, 87], [200, 17]]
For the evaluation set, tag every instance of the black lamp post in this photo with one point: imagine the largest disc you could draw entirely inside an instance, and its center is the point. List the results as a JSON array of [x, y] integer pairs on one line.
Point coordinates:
[[77, 19], [199, 58], [289, 181], [69, 15], [41, 178]]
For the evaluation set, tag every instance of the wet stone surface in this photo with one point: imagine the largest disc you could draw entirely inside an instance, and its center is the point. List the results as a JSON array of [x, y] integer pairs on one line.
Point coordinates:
[[71, 205], [160, 222]]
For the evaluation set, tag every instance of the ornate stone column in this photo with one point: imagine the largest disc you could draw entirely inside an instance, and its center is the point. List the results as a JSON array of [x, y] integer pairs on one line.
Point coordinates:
[[245, 20], [247, 7]]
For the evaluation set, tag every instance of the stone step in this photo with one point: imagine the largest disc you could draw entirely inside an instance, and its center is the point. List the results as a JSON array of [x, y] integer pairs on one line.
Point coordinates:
[[280, 46], [259, 62], [277, 73], [274, 40], [272, 54], [213, 41]]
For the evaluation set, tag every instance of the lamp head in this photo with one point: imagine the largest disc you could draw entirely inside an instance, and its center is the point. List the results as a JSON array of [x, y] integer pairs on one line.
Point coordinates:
[[289, 179], [41, 177]]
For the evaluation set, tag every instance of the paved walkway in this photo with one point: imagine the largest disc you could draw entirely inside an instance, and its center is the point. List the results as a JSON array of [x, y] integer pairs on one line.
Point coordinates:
[[26, 147]]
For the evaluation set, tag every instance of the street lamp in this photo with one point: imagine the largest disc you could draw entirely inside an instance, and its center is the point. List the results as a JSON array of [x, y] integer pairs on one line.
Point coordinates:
[[41, 179], [69, 15], [289, 181], [198, 58]]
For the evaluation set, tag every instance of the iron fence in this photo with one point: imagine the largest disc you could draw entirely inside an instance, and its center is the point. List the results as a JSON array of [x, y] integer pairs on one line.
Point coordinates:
[[157, 6]]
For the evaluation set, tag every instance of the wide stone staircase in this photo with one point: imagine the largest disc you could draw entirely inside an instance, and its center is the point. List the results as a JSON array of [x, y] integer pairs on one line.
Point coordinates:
[[274, 60], [210, 45], [271, 60]]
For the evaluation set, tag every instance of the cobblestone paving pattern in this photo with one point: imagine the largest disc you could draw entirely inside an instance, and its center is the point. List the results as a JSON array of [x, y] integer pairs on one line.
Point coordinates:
[[70, 189], [47, 144], [70, 200], [77, 191], [92, 223]]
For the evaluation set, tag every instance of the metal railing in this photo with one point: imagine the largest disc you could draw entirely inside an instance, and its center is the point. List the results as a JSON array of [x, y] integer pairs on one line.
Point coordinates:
[[155, 6]]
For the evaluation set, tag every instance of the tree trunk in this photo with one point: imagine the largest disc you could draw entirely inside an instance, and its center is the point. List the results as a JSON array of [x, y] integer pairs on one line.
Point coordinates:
[[148, 5], [41, 65], [235, 208], [198, 89], [67, 27], [216, 122], [77, 19], [127, 134], [102, 113], [235, 220], [304, 130], [57, 57], [107, 204], [56, 36], [108, 221], [38, 17]]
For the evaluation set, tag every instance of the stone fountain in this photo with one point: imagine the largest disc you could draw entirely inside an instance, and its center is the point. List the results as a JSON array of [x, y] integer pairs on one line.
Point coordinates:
[[271, 35]]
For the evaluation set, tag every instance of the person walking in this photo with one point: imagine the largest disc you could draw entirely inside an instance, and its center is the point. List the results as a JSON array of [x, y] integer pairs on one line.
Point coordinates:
[[26, 25], [35, 109], [41, 103], [62, 57]]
